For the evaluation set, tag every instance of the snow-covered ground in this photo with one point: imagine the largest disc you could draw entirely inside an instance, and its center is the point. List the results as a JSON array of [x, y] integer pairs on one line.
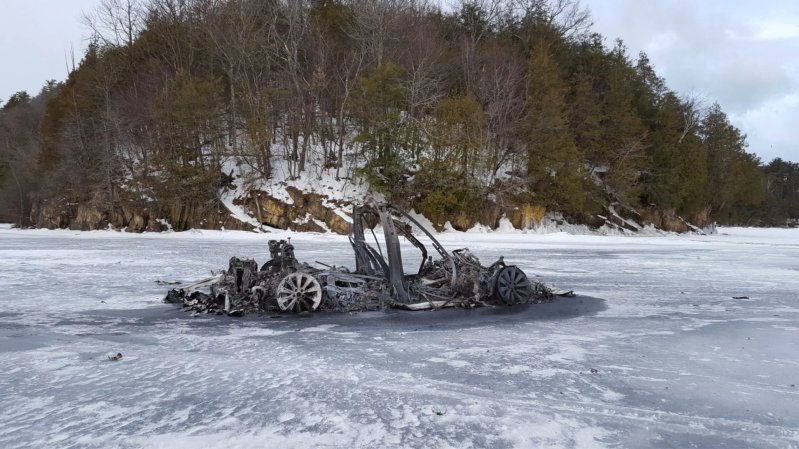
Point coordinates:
[[654, 352]]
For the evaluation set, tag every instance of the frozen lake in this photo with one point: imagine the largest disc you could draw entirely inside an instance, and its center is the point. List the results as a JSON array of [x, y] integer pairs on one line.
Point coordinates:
[[654, 352]]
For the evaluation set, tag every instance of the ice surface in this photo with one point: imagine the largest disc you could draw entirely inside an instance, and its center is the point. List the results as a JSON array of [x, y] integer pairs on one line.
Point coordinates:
[[677, 362]]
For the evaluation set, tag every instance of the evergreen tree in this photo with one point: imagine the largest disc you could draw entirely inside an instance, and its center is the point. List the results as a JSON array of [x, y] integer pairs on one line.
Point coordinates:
[[782, 185], [18, 99], [733, 179], [555, 168], [623, 133], [377, 107]]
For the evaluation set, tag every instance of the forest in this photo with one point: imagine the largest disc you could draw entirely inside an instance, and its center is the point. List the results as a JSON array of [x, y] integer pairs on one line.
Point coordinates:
[[455, 110]]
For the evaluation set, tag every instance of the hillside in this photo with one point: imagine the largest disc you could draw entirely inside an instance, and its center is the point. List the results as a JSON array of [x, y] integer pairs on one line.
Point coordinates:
[[251, 114]]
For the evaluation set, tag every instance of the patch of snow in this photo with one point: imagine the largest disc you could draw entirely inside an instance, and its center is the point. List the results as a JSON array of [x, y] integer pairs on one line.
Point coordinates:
[[458, 363], [316, 180], [506, 227], [427, 224], [302, 220], [284, 417], [591, 437], [322, 225], [227, 197], [165, 223], [344, 215], [618, 217], [555, 223], [319, 328], [479, 228]]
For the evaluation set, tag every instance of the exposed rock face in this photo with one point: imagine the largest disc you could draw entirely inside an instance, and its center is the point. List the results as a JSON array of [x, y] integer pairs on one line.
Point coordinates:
[[667, 220], [527, 216], [273, 212], [50, 216], [309, 211], [521, 217], [306, 214], [88, 218], [131, 217], [139, 221]]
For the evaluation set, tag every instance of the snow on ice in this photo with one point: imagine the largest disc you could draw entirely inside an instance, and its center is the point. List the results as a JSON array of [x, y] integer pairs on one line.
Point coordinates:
[[654, 352]]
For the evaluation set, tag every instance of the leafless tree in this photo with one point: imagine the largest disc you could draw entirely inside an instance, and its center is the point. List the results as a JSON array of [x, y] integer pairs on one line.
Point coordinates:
[[500, 88], [234, 29], [567, 16], [116, 22], [175, 22], [421, 54], [477, 18], [694, 108]]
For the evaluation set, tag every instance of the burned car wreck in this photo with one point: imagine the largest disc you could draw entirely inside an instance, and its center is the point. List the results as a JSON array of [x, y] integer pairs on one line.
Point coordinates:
[[379, 281]]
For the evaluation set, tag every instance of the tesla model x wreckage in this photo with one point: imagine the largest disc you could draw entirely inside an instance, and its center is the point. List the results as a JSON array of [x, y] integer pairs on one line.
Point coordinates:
[[283, 284]]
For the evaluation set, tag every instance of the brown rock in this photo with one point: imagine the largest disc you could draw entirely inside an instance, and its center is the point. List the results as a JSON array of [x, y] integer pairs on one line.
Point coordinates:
[[338, 224], [526, 216], [88, 218]]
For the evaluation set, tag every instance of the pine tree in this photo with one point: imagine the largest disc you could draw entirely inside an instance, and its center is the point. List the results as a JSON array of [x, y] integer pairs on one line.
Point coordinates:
[[18, 99], [377, 108], [733, 179], [555, 168], [623, 133]]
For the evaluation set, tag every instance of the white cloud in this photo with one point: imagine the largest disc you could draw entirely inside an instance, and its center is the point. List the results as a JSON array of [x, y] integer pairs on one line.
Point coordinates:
[[772, 126], [777, 29]]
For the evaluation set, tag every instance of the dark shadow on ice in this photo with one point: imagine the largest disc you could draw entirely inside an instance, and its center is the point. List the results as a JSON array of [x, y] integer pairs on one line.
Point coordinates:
[[560, 309], [403, 320], [105, 320]]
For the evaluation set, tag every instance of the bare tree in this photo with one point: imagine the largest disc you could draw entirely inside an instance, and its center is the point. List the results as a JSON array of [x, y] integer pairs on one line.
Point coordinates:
[[478, 18], [116, 22], [694, 109], [175, 22], [568, 17], [375, 25], [500, 88], [11, 163], [234, 28], [295, 31], [421, 54]]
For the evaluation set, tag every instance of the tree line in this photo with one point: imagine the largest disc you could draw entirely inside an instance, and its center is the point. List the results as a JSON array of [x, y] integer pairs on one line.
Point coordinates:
[[448, 111]]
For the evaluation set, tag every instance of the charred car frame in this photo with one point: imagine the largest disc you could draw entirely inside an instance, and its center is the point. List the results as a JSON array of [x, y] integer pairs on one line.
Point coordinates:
[[443, 279]]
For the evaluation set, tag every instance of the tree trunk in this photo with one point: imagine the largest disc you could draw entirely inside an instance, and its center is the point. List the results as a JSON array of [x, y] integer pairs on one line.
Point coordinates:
[[21, 222], [232, 114]]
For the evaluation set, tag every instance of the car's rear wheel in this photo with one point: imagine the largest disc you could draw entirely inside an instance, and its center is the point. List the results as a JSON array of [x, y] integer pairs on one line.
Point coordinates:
[[512, 286]]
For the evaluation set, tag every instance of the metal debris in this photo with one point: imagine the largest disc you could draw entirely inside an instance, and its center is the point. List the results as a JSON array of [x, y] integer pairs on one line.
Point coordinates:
[[283, 284]]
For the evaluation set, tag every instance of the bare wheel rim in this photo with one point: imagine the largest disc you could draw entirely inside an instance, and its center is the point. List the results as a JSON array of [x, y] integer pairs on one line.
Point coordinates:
[[299, 292], [513, 286]]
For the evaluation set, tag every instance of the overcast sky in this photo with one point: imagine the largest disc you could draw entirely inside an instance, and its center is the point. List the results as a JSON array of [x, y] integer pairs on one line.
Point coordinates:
[[742, 54], [35, 37]]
